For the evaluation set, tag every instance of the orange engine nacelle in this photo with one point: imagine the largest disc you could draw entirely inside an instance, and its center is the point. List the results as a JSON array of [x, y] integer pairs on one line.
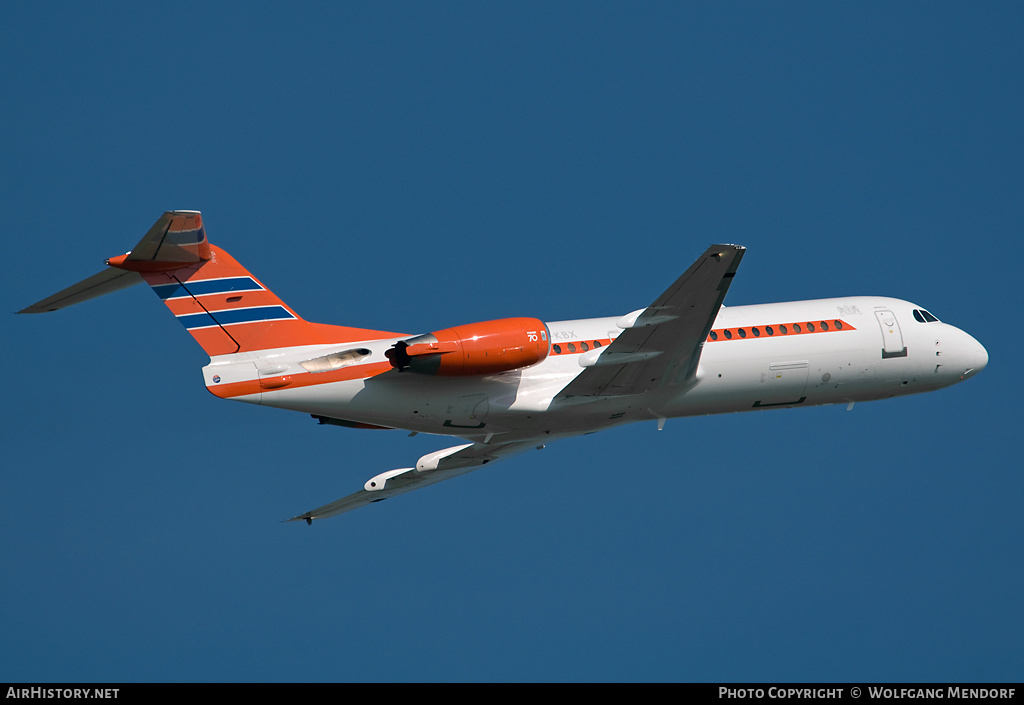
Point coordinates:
[[474, 349]]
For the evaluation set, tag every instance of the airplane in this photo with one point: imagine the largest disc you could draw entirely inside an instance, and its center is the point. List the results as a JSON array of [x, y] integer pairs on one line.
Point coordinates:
[[507, 386]]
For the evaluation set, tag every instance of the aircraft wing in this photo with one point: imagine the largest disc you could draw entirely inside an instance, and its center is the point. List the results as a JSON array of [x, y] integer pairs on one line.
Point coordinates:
[[431, 468], [661, 347]]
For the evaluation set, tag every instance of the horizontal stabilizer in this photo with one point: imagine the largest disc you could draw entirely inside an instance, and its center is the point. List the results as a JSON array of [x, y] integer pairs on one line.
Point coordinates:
[[177, 239], [106, 282]]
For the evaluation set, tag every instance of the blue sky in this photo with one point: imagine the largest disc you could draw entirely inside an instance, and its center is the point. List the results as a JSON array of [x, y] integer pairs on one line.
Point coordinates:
[[410, 166]]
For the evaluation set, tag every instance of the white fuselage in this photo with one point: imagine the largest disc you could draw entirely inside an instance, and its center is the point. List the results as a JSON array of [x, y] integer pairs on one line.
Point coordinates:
[[757, 357], [512, 384]]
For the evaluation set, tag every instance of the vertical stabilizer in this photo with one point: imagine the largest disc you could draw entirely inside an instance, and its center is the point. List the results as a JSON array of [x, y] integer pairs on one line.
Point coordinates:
[[220, 303]]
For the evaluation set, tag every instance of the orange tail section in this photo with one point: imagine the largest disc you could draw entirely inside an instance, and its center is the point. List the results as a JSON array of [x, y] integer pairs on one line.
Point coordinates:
[[225, 308]]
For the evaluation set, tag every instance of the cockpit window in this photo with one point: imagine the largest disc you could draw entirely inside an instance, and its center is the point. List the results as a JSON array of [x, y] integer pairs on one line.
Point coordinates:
[[923, 316]]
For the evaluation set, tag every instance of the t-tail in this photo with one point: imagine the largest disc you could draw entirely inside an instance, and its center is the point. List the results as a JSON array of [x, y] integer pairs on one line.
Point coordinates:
[[220, 303]]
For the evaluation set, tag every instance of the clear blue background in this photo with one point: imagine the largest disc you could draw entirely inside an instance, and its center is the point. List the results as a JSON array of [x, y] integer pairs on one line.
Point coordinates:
[[410, 166]]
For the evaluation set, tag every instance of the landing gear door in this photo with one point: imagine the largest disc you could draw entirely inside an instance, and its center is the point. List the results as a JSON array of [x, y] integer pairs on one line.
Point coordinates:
[[892, 338]]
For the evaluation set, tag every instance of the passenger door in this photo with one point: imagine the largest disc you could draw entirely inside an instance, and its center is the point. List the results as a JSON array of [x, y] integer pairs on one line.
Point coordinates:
[[892, 338]]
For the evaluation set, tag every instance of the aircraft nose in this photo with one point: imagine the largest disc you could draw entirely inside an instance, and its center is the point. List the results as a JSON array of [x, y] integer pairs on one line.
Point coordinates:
[[975, 356], [979, 355]]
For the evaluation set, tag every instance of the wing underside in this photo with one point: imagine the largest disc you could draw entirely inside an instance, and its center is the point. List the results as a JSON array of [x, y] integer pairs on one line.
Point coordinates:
[[430, 469]]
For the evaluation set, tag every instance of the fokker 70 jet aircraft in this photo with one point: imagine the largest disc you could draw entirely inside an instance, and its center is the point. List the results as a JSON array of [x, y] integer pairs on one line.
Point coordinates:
[[515, 384]]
